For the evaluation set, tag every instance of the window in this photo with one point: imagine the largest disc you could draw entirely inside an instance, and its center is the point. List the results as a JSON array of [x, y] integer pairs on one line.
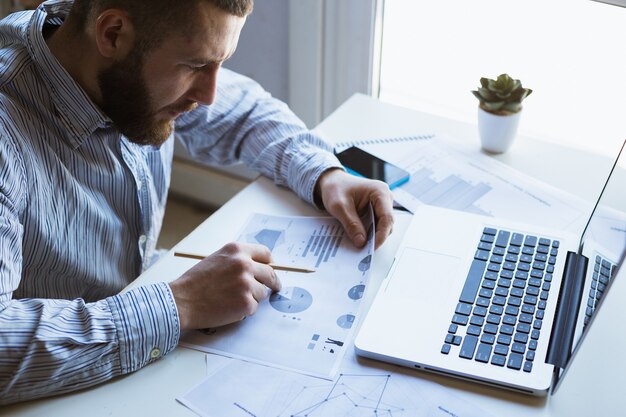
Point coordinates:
[[570, 52]]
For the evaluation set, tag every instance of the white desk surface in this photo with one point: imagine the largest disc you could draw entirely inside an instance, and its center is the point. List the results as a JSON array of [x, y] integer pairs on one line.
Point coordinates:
[[593, 385]]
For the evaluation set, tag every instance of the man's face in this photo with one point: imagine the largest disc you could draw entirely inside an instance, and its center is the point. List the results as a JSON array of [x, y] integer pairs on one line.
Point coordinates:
[[144, 93]]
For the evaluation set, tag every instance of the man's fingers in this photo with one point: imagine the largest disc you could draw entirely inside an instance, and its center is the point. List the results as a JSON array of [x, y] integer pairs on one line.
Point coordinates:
[[353, 227], [265, 275], [384, 227], [259, 253], [383, 210]]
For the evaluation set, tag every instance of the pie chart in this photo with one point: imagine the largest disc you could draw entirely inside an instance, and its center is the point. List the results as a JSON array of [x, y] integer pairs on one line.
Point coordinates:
[[291, 300]]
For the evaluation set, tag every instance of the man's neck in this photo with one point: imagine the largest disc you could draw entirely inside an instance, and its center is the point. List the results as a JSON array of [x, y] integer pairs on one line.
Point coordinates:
[[74, 53]]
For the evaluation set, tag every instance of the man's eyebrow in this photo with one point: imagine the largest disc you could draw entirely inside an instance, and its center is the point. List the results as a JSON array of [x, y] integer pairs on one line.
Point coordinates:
[[204, 62]]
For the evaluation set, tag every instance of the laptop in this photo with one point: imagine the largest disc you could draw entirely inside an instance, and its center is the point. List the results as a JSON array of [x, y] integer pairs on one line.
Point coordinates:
[[492, 300]]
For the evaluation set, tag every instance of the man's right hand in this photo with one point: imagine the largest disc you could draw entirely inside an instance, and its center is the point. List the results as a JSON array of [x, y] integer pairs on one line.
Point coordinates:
[[224, 287]]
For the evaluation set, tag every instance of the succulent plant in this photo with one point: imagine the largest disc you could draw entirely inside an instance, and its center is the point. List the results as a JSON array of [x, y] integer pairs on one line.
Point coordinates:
[[503, 95]]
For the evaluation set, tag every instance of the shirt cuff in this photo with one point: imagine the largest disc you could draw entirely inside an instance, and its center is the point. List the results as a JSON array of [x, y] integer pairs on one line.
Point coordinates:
[[306, 169], [147, 325]]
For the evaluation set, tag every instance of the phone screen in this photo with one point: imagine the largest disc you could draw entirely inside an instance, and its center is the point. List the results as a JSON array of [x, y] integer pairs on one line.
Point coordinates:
[[364, 164]]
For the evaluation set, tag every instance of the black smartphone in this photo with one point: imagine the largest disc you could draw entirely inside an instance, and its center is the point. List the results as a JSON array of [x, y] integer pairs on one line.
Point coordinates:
[[364, 164]]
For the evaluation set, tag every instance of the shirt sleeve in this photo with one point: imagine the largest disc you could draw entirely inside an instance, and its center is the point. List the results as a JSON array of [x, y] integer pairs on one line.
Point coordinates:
[[48, 346], [247, 124]]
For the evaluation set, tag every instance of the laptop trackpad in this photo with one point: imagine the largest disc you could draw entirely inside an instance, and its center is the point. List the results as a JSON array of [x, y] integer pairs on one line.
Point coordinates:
[[421, 273]]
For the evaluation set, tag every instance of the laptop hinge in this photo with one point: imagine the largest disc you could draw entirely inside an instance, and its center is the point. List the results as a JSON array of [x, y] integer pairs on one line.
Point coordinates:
[[562, 337]]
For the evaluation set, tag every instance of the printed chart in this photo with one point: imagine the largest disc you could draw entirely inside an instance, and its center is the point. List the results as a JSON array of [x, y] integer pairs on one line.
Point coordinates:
[[357, 392], [306, 325], [445, 177]]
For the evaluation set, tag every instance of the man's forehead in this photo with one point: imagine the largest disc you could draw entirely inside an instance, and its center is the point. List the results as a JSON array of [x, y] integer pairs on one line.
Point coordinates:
[[212, 34]]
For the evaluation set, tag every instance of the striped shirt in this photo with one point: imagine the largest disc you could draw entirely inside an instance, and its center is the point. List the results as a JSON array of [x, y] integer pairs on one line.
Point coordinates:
[[81, 208]]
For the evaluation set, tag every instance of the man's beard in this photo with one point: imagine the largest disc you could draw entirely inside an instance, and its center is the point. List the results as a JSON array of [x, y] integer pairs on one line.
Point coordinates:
[[126, 100]]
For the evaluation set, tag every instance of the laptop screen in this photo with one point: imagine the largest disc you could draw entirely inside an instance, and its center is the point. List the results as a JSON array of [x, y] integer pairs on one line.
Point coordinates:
[[603, 243]]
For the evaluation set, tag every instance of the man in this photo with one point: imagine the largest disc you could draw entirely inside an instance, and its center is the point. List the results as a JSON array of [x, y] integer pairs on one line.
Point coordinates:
[[90, 96]]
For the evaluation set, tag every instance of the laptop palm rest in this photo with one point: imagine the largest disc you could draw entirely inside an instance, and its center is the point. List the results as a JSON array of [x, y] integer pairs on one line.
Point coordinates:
[[407, 309]]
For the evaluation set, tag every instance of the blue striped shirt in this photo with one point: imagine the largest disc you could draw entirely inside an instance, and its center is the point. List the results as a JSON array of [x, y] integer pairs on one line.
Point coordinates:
[[81, 209]]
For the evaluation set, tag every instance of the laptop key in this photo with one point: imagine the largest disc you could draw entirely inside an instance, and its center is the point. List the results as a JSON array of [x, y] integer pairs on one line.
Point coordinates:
[[445, 349], [504, 339], [498, 360], [503, 238], [487, 238], [517, 292], [453, 328], [484, 292], [463, 309], [457, 340], [468, 347], [514, 301], [526, 318], [518, 347], [517, 239], [477, 321], [502, 292], [515, 361], [493, 319], [528, 366], [490, 328], [485, 246], [483, 353], [501, 350], [521, 338], [507, 329], [473, 330], [459, 319], [530, 241], [482, 302], [472, 282], [532, 291], [482, 255], [480, 311], [488, 338]]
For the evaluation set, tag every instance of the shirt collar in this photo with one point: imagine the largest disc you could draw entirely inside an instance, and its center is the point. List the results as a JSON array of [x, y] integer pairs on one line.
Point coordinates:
[[74, 108]]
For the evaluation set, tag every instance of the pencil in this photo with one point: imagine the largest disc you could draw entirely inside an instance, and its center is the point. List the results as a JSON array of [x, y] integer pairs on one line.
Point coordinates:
[[274, 266]]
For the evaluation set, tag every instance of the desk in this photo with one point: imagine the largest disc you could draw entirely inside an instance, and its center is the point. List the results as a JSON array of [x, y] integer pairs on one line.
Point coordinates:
[[592, 386]]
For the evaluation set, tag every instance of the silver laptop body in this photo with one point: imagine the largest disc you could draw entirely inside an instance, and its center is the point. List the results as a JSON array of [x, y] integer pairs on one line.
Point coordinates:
[[448, 305]]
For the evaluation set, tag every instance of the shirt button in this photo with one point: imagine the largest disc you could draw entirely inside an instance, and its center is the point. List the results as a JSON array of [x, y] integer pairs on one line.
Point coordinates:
[[155, 353], [142, 239]]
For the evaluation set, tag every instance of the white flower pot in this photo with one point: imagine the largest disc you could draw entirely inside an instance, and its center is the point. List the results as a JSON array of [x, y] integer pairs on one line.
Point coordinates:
[[497, 132]]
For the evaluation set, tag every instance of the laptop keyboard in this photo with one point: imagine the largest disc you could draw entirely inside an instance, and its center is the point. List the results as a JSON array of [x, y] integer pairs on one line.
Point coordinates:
[[603, 271], [501, 308]]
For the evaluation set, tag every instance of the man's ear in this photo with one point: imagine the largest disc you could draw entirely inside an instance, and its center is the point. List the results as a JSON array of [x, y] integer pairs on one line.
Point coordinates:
[[115, 34]]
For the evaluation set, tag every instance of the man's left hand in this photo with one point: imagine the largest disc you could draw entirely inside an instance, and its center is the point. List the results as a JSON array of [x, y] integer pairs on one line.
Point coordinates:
[[344, 196]]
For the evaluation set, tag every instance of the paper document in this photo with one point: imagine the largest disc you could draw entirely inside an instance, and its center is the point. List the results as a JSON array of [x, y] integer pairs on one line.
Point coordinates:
[[305, 326], [444, 176], [244, 389]]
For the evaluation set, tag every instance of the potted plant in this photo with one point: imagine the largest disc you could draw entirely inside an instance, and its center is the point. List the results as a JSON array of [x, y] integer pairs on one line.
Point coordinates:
[[499, 111]]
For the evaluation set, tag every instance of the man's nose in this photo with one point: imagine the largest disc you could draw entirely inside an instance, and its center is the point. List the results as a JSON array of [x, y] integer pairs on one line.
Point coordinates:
[[204, 87]]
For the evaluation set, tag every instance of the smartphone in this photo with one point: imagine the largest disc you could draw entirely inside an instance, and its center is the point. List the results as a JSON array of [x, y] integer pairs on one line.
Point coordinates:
[[364, 164]]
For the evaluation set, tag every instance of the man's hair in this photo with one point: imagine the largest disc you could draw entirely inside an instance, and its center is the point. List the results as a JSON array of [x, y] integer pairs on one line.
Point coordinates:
[[154, 20]]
